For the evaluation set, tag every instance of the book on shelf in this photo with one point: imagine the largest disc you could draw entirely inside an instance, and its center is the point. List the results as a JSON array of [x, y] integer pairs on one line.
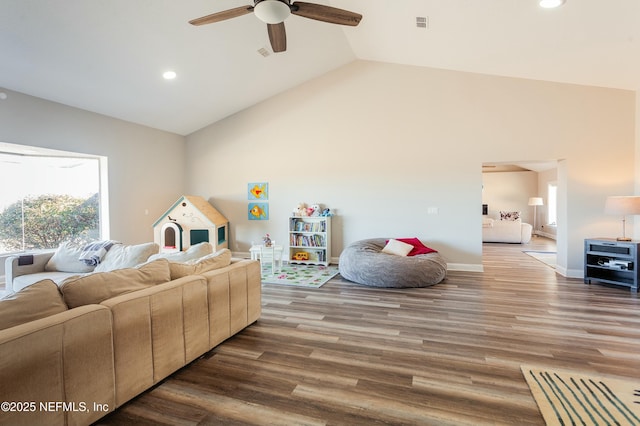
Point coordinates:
[[298, 224], [302, 240]]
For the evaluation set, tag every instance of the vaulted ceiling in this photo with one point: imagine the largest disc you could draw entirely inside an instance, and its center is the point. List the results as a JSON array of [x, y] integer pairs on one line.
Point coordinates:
[[108, 56]]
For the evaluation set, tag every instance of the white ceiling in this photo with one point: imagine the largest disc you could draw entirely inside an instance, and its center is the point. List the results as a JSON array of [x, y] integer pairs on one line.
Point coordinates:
[[107, 56]]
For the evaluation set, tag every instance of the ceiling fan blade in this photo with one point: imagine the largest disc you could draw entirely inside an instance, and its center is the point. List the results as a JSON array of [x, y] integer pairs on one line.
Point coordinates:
[[222, 16], [325, 13], [277, 37]]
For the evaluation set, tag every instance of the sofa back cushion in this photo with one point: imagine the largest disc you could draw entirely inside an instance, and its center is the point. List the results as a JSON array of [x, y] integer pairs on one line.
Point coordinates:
[[67, 259], [122, 256], [216, 260], [33, 302], [100, 286], [195, 251]]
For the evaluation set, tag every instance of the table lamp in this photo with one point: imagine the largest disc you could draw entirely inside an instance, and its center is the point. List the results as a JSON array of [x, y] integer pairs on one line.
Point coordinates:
[[622, 206], [535, 202]]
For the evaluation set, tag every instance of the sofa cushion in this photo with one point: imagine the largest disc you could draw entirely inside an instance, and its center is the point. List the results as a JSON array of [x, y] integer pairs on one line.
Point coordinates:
[[22, 281], [194, 252], [36, 301], [216, 260], [100, 286], [122, 256], [67, 259]]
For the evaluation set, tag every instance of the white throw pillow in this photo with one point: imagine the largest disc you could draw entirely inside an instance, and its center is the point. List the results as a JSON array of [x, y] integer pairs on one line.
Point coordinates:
[[122, 256], [194, 252], [397, 247], [67, 259]]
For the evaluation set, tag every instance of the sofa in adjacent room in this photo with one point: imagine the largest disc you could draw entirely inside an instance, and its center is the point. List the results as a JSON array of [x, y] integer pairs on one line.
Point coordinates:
[[505, 231], [72, 353]]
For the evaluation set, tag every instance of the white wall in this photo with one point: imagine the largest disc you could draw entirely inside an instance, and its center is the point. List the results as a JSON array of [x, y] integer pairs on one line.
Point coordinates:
[[510, 191], [146, 166], [378, 143], [382, 143], [636, 228]]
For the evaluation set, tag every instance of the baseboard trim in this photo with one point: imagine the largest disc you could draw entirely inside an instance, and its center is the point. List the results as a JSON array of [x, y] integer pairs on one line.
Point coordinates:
[[546, 235], [464, 267], [573, 273]]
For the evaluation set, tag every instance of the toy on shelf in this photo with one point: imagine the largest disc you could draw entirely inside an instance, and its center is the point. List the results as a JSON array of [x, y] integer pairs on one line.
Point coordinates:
[[300, 210], [313, 210], [301, 255], [266, 240]]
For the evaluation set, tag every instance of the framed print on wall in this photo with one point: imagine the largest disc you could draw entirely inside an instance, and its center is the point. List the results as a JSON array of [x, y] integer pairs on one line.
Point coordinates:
[[258, 211], [258, 191]]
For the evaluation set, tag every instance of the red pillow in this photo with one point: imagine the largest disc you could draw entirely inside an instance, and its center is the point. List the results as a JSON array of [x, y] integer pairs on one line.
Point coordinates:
[[418, 247]]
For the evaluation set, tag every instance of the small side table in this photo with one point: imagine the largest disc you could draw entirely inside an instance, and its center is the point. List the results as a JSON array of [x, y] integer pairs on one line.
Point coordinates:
[[612, 261], [275, 255]]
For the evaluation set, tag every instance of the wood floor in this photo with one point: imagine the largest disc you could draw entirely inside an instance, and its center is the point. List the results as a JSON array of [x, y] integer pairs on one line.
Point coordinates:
[[346, 354]]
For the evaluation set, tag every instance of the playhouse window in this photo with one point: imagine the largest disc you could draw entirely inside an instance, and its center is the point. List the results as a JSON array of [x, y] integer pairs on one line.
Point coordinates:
[[222, 234], [199, 236]]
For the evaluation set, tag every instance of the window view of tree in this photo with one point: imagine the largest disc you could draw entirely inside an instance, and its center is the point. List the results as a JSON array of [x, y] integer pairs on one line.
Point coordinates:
[[46, 221], [47, 200]]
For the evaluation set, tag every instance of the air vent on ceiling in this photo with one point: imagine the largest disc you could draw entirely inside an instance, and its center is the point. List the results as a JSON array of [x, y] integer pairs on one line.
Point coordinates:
[[264, 52], [422, 22]]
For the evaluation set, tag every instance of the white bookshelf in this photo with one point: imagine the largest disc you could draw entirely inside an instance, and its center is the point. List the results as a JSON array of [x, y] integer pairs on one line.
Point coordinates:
[[310, 235]]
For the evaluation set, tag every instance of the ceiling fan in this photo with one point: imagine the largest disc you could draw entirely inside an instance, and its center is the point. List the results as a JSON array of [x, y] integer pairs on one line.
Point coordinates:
[[274, 12]]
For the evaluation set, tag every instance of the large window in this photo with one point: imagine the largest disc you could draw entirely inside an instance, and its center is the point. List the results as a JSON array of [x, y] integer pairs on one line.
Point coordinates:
[[47, 198]]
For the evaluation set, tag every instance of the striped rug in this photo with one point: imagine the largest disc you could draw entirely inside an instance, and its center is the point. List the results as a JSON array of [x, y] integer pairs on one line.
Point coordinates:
[[568, 398]]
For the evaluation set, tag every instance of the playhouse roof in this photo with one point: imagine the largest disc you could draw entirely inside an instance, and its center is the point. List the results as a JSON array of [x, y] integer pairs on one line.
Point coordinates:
[[210, 212]]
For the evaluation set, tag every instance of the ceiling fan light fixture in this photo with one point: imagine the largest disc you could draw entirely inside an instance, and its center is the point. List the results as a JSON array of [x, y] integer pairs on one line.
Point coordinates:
[[550, 4], [272, 11]]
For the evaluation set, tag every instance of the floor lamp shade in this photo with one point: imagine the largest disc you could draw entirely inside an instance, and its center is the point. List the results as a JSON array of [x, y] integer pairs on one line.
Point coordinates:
[[535, 201], [622, 206]]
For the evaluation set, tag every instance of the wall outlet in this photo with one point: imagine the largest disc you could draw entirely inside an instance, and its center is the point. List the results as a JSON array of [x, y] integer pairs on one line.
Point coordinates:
[[432, 210]]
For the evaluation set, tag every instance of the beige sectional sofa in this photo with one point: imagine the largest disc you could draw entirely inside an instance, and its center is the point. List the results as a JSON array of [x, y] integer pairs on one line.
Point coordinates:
[[80, 357]]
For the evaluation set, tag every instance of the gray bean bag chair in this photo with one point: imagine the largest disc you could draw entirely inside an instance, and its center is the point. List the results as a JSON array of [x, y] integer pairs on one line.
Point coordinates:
[[363, 262]]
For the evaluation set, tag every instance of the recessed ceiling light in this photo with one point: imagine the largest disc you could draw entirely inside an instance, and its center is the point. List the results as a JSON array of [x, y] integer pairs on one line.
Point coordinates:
[[169, 75], [550, 4]]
